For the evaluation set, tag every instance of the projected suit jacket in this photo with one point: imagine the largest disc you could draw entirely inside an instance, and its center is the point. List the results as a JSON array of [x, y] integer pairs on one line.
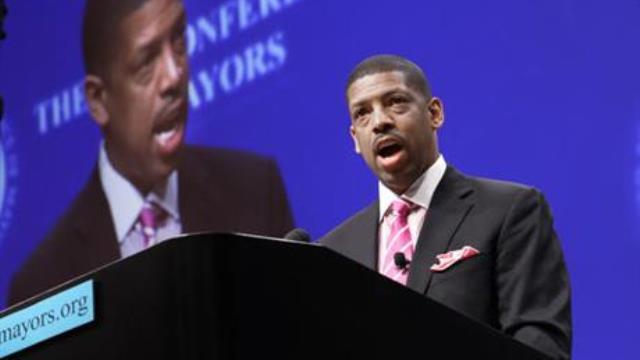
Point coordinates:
[[517, 284], [219, 190]]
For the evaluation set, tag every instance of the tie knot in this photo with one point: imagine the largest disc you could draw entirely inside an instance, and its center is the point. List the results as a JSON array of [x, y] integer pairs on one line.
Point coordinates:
[[150, 214], [400, 208]]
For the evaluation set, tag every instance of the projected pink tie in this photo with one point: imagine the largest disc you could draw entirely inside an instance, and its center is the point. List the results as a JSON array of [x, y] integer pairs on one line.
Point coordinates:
[[398, 241], [149, 223]]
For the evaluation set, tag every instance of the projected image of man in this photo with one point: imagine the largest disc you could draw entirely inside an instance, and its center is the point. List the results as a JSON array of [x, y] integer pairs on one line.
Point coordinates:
[[148, 185]]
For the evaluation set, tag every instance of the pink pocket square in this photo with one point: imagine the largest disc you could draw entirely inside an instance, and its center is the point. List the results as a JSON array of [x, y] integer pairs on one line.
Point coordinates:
[[447, 260]]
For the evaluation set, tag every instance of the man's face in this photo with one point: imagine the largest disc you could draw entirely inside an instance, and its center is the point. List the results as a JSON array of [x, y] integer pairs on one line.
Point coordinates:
[[144, 93], [393, 128]]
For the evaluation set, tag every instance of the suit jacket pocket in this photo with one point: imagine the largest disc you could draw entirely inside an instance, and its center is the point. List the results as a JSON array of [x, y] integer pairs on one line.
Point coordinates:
[[466, 268], [467, 287]]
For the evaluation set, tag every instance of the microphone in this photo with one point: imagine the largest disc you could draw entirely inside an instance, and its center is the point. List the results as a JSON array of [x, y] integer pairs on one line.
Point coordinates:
[[298, 234], [401, 261]]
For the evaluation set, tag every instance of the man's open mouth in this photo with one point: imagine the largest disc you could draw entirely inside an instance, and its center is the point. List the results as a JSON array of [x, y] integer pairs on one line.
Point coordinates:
[[388, 147], [389, 150], [164, 135], [168, 130]]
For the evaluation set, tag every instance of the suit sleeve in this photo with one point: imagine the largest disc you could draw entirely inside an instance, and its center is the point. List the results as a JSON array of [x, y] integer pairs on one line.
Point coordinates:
[[534, 299], [40, 271]]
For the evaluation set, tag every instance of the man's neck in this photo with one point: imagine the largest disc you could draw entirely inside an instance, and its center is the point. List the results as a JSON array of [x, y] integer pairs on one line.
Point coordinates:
[[420, 191], [125, 199]]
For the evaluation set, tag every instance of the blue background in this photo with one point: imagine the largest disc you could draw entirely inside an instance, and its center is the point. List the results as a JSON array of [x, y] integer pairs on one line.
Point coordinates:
[[543, 92]]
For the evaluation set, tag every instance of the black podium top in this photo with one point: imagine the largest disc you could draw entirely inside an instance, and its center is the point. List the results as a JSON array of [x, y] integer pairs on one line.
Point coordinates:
[[230, 296]]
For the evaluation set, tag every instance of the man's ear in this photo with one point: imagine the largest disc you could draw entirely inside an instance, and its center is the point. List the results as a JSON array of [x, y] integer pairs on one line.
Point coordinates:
[[95, 94], [436, 110], [352, 131]]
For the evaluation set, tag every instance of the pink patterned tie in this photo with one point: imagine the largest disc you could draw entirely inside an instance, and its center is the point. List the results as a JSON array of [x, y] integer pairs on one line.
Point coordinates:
[[149, 218], [399, 241]]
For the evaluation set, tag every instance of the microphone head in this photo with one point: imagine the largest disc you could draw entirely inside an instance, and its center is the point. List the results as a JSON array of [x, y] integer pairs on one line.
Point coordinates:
[[400, 260], [298, 234]]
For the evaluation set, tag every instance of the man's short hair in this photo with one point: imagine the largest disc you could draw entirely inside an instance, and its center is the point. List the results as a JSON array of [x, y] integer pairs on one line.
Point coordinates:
[[100, 34], [413, 75]]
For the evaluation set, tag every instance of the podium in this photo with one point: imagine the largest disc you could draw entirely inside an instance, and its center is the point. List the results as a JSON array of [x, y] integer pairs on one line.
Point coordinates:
[[231, 296]]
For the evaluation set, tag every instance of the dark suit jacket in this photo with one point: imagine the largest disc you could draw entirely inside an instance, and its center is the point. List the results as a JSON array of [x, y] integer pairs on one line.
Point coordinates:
[[518, 284], [219, 190]]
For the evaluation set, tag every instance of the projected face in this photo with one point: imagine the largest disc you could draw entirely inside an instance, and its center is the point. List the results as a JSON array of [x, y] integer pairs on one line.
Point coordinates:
[[142, 106], [393, 128]]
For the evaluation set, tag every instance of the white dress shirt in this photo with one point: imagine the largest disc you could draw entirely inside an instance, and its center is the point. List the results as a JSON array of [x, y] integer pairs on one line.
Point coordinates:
[[419, 193], [125, 204]]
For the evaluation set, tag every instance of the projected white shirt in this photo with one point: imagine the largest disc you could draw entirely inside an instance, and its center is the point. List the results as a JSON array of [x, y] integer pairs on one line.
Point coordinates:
[[125, 204]]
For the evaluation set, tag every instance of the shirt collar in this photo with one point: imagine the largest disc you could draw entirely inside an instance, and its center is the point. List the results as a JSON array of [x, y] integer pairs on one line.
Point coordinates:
[[125, 201], [420, 192]]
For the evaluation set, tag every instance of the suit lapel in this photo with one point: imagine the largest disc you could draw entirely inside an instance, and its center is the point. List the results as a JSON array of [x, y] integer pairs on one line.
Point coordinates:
[[357, 237], [446, 212], [99, 244], [364, 246]]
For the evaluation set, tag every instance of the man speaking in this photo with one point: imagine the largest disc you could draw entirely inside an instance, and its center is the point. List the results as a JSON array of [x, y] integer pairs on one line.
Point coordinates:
[[482, 247], [148, 186]]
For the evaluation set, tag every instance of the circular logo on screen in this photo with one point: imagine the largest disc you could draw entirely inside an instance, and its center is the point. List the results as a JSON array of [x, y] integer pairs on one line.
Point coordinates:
[[8, 175]]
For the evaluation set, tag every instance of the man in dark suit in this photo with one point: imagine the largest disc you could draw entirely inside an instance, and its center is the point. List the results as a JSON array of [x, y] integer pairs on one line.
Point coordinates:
[[147, 185], [484, 248]]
